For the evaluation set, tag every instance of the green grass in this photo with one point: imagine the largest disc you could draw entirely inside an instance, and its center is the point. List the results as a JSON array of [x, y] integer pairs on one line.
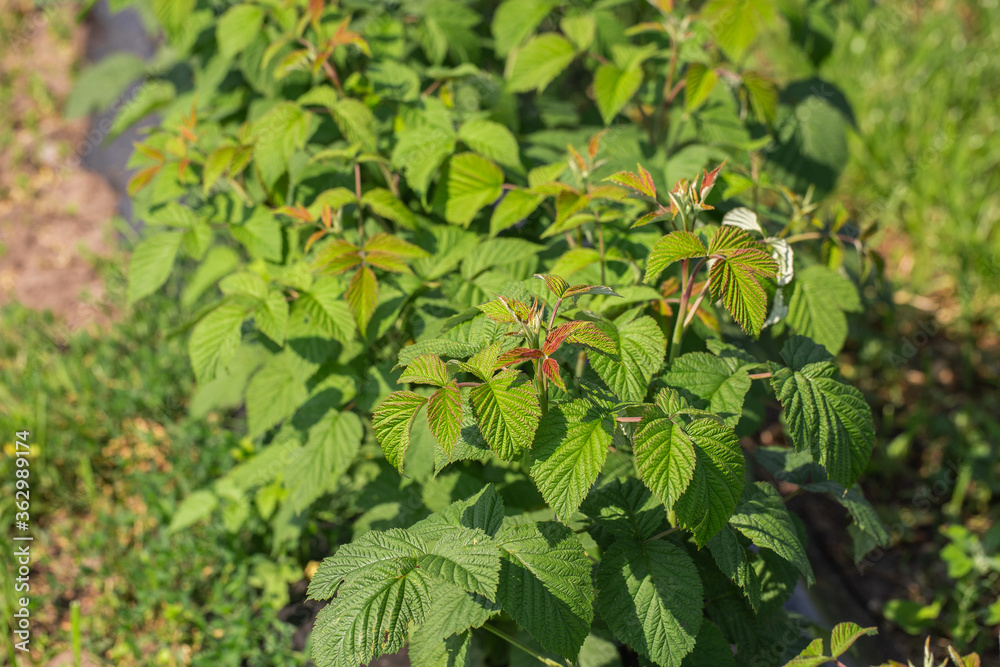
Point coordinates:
[[113, 454], [922, 78]]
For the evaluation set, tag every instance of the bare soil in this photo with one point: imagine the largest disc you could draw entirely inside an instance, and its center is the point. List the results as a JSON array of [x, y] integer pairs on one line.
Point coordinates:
[[54, 217]]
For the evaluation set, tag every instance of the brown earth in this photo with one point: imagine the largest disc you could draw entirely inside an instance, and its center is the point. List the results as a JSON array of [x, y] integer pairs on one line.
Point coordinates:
[[54, 216]]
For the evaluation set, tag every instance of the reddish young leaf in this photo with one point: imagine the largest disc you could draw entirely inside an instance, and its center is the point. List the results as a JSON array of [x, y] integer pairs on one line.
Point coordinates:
[[580, 162], [393, 244], [316, 236], [298, 212], [142, 179], [556, 285], [589, 335], [551, 369], [516, 356], [708, 182], [387, 261], [641, 182], [647, 182], [556, 337], [338, 256], [580, 290], [149, 151], [595, 144]]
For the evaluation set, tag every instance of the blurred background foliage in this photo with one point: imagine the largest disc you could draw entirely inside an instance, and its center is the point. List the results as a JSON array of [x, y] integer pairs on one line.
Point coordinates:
[[109, 404]]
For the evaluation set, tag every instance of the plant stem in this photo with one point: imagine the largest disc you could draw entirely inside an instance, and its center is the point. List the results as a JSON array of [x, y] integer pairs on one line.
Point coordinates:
[[542, 387], [74, 614], [527, 649], [357, 194], [663, 534], [759, 376], [628, 419], [693, 310], [552, 319], [600, 246], [675, 341]]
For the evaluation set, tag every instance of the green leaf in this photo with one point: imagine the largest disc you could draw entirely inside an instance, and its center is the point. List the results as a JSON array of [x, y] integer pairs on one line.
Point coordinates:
[[385, 204], [534, 65], [722, 381], [316, 469], [100, 84], [362, 296], [764, 519], [260, 235], [570, 448], [514, 20], [651, 598], [328, 310], [736, 280], [515, 206], [473, 182], [731, 557], [237, 28], [196, 506], [545, 584], [641, 348], [271, 316], [455, 610], [426, 650], [698, 85], [507, 410], [373, 617], [467, 558], [214, 340], [151, 263], [356, 122], [362, 557], [422, 148], [711, 649], [275, 392], [673, 247], [845, 634], [491, 140], [392, 422], [444, 415], [426, 369], [625, 508], [811, 656], [819, 300], [483, 511], [696, 469], [614, 87], [218, 262], [580, 28], [277, 135], [824, 415], [736, 24]]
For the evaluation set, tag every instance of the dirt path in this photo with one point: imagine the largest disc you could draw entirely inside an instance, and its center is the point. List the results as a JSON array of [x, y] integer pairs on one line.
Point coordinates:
[[53, 217]]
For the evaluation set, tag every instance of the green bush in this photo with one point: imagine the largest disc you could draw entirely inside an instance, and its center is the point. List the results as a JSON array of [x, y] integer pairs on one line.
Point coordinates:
[[367, 191]]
